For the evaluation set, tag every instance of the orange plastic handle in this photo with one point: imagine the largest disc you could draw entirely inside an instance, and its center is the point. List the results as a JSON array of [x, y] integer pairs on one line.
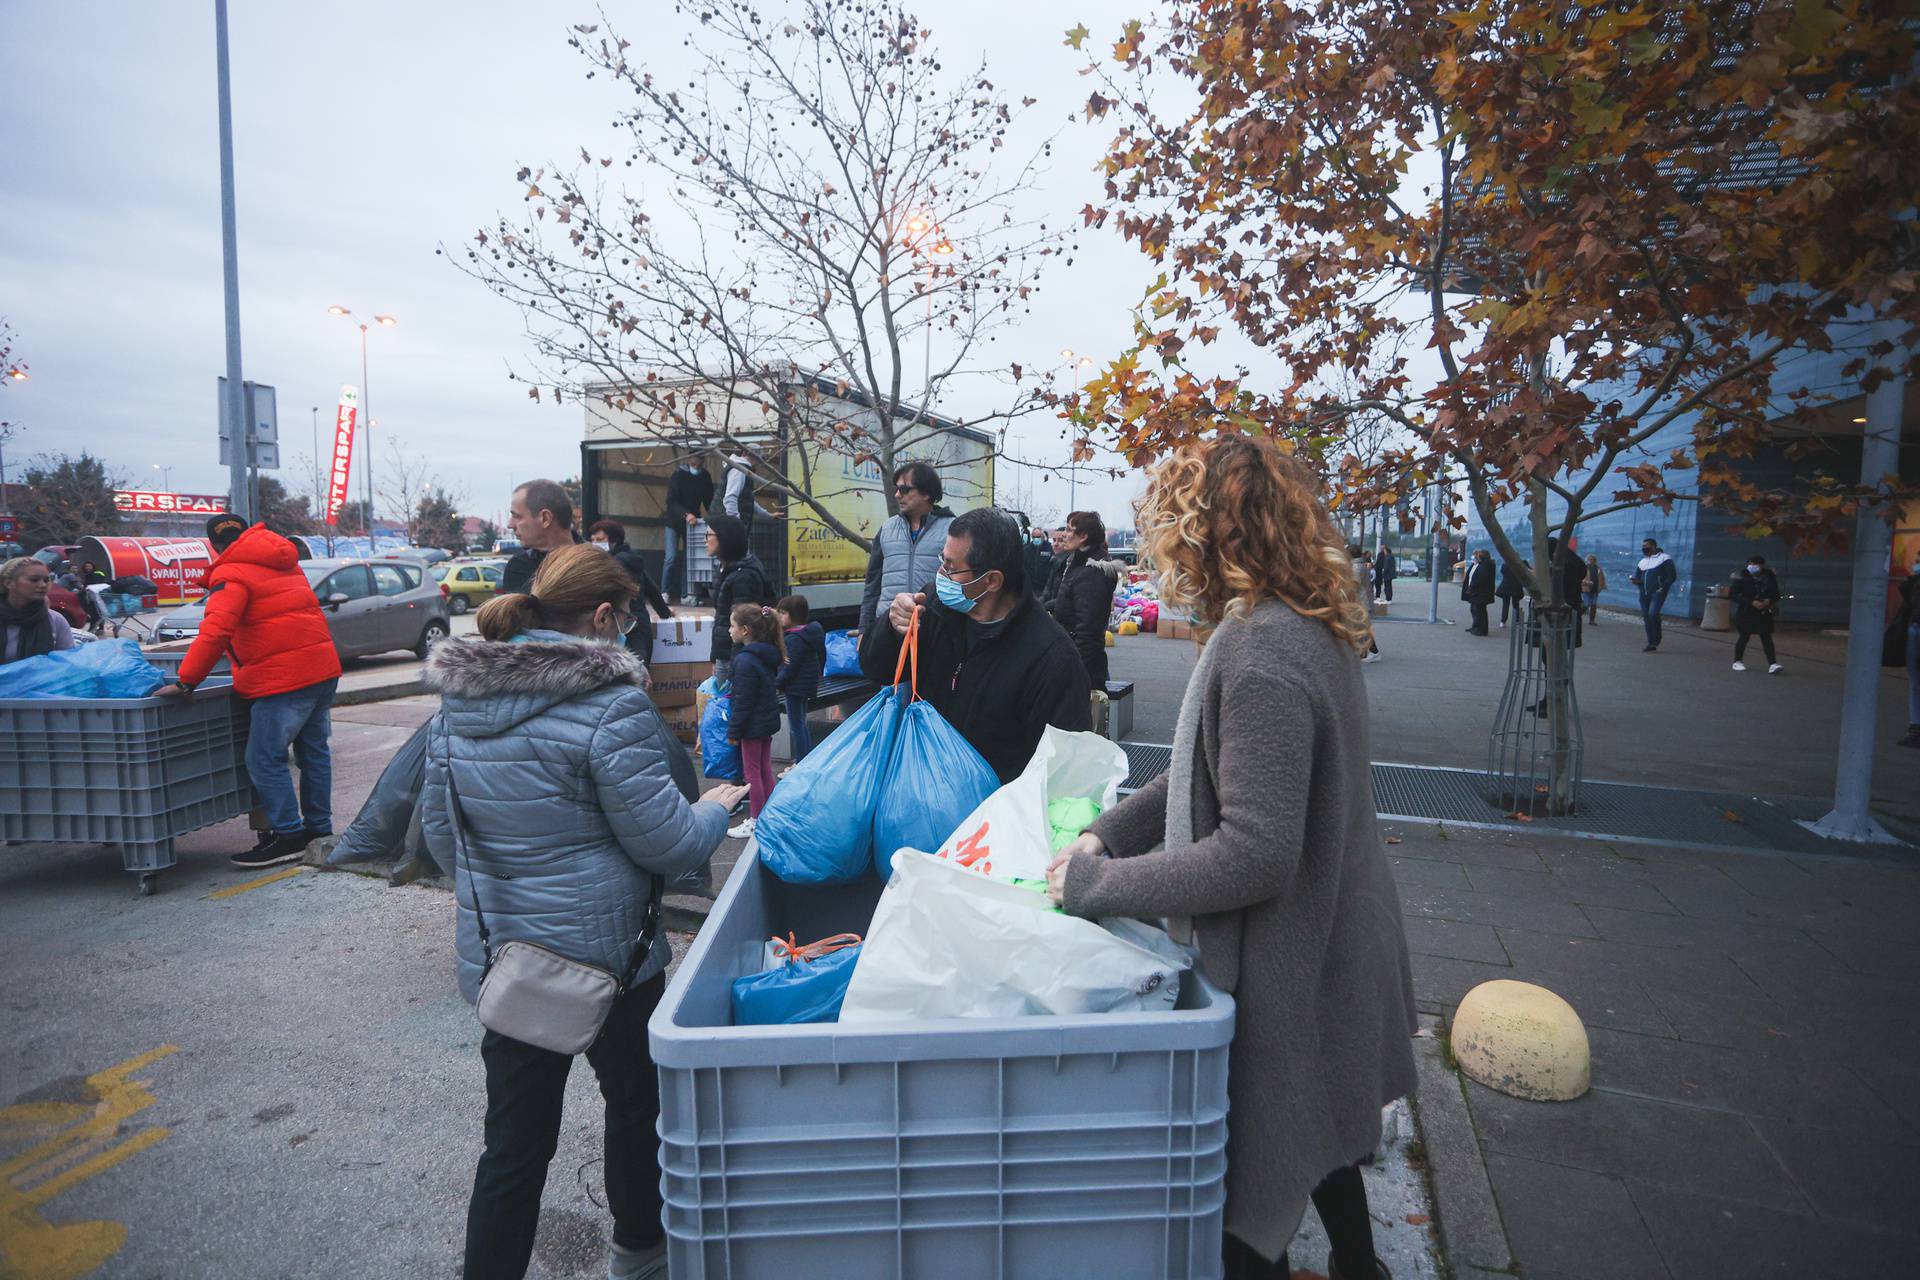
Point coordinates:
[[789, 951], [910, 652]]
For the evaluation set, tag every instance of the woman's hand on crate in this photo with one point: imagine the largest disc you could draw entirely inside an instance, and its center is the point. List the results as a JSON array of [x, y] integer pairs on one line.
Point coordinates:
[[1085, 842], [726, 795]]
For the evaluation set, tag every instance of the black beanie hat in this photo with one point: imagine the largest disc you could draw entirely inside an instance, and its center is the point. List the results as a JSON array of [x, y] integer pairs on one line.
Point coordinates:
[[224, 528]]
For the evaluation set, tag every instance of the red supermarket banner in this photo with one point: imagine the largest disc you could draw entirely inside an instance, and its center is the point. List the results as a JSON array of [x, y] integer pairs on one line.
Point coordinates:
[[342, 467], [199, 504], [178, 566]]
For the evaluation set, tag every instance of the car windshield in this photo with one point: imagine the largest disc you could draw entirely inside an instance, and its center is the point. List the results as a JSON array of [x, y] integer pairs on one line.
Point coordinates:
[[439, 572]]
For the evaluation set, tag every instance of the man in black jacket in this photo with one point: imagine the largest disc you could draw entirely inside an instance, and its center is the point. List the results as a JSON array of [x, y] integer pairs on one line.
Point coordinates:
[[542, 518], [611, 536], [1477, 589], [689, 495], [991, 660]]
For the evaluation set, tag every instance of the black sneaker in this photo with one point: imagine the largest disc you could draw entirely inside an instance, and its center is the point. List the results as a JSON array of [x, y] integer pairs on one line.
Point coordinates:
[[282, 848], [1913, 737]]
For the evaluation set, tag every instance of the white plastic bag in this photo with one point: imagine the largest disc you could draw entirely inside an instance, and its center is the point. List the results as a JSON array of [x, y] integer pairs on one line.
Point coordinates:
[[1007, 837], [948, 943]]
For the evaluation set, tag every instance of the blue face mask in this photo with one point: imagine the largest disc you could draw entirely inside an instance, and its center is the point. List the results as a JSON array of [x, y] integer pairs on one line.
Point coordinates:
[[953, 595]]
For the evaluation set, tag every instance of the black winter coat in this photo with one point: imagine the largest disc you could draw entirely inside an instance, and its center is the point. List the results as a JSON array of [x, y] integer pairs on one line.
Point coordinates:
[[742, 582], [806, 659], [1510, 588], [689, 493], [1003, 693], [756, 706], [521, 566], [1478, 586], [1083, 606], [640, 639], [1049, 590], [1756, 600]]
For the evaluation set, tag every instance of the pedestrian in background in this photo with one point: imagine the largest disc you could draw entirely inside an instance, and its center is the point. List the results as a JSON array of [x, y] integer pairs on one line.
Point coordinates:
[[1510, 591], [1573, 578], [1595, 583], [738, 499], [1385, 570], [755, 713], [906, 550], [1049, 590], [261, 610], [805, 646], [1655, 576], [1363, 584], [1262, 834], [28, 628], [553, 763], [689, 497], [611, 536], [1084, 604], [541, 514], [738, 578], [1477, 589], [1756, 603], [1906, 626]]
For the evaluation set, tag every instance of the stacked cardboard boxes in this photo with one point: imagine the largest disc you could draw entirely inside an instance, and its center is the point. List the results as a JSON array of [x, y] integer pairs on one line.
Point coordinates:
[[682, 659]]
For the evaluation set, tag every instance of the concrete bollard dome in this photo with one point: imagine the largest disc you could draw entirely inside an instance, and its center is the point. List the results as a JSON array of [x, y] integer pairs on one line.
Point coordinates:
[[1522, 1040]]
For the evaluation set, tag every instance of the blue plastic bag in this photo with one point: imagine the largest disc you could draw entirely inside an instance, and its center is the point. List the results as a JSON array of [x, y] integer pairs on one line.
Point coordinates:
[[817, 828], [796, 991], [935, 781], [102, 669], [843, 654], [719, 758]]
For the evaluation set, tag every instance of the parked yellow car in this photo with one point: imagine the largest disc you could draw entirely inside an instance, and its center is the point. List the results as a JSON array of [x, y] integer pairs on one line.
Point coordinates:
[[469, 584]]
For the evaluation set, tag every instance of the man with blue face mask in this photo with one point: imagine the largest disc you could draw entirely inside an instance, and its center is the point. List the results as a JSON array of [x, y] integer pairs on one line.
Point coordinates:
[[991, 660]]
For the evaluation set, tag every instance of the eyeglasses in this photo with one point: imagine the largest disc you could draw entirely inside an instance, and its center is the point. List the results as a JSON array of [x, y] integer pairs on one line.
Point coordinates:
[[903, 488], [952, 574], [626, 627]]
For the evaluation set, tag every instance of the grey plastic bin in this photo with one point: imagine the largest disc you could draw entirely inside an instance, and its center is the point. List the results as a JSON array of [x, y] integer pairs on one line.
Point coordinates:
[[977, 1149], [132, 772]]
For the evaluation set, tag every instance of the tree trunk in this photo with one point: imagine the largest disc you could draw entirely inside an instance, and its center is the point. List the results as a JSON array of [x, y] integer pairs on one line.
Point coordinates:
[[1556, 613]]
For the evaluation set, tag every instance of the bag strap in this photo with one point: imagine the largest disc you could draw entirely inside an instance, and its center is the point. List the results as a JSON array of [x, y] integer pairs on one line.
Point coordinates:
[[910, 652], [788, 951]]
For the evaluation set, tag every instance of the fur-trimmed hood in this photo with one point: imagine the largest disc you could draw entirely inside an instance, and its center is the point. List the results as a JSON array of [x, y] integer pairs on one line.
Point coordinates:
[[1114, 569], [488, 687]]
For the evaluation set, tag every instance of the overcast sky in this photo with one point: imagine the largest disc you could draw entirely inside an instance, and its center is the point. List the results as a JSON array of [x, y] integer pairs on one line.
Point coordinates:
[[367, 134]]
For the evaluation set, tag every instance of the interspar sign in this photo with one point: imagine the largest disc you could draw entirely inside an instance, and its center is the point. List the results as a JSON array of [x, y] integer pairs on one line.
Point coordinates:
[[342, 452], [199, 504], [178, 566]]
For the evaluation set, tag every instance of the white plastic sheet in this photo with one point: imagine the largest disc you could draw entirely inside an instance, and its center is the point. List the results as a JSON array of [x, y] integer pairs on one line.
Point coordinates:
[[948, 943], [1007, 836]]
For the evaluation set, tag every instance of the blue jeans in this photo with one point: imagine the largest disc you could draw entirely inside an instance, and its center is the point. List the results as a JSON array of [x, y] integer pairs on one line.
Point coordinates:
[[673, 575], [1650, 607], [803, 736], [297, 719], [1913, 673]]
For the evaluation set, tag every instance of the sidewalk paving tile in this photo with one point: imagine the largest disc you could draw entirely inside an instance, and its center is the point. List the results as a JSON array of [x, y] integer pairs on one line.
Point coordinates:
[[1850, 1174], [1631, 962], [1827, 993], [1600, 999], [1427, 871], [1873, 956], [1602, 1239], [1705, 1237], [1470, 907], [1687, 1148], [1469, 848], [1716, 937], [1707, 1018], [1429, 937], [1607, 885]]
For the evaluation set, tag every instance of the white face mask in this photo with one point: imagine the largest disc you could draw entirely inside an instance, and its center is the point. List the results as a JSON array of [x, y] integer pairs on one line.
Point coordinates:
[[599, 544], [1754, 568]]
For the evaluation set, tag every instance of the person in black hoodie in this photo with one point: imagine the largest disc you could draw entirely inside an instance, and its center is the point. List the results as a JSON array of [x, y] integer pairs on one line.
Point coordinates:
[[1048, 589], [1084, 603], [1756, 603], [991, 660], [755, 713], [1511, 593], [738, 578], [611, 536], [799, 677], [689, 495]]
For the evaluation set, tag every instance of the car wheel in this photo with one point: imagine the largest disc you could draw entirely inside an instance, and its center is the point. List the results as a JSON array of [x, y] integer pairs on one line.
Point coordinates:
[[459, 605], [436, 632]]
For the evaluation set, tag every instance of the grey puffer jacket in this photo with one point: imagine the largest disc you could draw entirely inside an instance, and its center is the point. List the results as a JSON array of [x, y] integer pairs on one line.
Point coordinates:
[[900, 562], [570, 808]]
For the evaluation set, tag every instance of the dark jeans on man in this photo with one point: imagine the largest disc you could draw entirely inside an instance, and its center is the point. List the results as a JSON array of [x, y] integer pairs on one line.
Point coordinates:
[[797, 727], [297, 719], [1650, 607], [525, 1088], [1479, 627]]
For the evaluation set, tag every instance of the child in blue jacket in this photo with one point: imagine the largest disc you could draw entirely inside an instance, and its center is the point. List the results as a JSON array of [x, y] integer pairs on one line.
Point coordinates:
[[799, 677]]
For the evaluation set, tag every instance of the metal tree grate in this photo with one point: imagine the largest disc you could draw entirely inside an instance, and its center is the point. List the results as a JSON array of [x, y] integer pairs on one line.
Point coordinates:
[[1538, 723]]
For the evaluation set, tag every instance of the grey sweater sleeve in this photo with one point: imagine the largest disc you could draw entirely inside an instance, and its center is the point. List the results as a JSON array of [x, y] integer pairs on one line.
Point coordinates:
[[1266, 765], [1137, 823]]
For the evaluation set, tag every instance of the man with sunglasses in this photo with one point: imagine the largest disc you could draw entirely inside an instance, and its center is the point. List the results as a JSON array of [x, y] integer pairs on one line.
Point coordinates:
[[906, 551], [991, 660]]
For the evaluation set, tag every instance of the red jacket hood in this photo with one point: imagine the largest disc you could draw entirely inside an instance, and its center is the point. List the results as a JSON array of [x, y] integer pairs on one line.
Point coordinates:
[[262, 546]]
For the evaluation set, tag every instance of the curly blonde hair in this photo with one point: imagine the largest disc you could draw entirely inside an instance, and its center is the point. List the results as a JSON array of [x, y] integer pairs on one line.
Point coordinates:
[[1233, 521]]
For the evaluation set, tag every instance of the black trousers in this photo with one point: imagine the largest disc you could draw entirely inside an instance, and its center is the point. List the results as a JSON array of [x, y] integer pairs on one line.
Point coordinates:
[[1509, 604], [525, 1088], [1479, 627], [1748, 630], [1341, 1202]]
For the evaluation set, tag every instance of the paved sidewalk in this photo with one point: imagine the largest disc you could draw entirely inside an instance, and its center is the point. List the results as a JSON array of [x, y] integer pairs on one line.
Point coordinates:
[[1756, 1063]]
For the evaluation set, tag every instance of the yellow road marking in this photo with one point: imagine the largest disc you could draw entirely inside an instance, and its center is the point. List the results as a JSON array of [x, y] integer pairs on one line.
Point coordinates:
[[234, 889], [31, 1248]]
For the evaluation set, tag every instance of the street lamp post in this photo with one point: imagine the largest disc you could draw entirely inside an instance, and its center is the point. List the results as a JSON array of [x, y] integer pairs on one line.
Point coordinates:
[[366, 403], [239, 497], [166, 477]]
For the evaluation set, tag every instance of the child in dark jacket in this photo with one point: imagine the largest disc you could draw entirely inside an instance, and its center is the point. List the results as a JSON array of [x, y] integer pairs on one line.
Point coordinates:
[[799, 677], [755, 715]]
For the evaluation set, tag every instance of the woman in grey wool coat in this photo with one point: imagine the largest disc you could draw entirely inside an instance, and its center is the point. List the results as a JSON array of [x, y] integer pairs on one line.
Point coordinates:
[[560, 768], [1262, 835]]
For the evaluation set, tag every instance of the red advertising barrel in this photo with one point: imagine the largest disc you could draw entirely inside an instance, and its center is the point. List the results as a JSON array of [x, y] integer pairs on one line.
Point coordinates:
[[178, 566]]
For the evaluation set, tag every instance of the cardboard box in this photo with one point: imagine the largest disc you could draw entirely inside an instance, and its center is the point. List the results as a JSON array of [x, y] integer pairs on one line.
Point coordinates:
[[683, 723], [675, 684], [682, 639]]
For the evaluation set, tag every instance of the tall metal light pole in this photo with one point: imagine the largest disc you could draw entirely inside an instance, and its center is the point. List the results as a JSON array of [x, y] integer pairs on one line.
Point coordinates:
[[166, 476], [238, 496], [366, 404]]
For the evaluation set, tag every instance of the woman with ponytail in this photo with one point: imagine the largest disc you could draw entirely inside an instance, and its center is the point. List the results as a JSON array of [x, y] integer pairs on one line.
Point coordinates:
[[570, 819]]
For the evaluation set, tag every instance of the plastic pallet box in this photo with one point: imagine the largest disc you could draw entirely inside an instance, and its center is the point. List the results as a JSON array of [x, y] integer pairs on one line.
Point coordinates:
[[133, 772], [978, 1149]]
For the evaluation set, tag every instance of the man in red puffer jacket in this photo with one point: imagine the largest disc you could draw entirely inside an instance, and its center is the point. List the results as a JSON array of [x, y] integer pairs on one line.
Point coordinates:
[[260, 609]]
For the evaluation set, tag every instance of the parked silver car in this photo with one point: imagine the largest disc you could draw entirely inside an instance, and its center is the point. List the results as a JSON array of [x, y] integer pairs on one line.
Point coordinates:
[[372, 606]]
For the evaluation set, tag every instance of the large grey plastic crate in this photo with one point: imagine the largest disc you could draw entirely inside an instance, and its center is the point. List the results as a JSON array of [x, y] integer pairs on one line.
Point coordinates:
[[977, 1149], [132, 772]]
